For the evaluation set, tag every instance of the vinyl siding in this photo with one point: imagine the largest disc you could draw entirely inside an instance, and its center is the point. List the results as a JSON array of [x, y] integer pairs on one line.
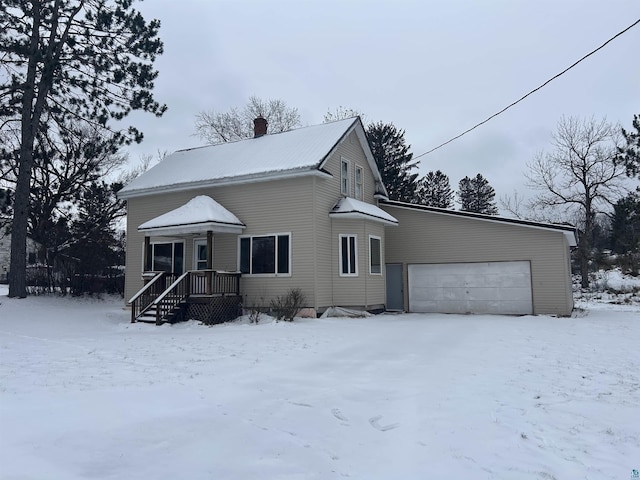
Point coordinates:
[[427, 237], [280, 206], [299, 206], [364, 291]]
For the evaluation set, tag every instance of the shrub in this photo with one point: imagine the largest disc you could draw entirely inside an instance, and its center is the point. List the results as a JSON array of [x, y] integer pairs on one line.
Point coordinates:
[[286, 307]]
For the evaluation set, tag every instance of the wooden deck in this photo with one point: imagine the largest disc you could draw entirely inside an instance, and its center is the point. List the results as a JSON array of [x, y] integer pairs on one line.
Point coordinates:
[[210, 296]]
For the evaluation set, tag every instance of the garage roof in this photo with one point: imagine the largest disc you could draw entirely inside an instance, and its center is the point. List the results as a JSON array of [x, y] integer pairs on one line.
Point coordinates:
[[569, 231]]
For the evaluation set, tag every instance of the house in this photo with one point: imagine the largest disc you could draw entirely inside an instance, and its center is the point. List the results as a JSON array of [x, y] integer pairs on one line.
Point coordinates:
[[244, 222], [5, 251]]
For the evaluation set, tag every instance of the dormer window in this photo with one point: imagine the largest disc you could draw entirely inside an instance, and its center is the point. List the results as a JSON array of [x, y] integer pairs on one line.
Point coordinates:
[[344, 177]]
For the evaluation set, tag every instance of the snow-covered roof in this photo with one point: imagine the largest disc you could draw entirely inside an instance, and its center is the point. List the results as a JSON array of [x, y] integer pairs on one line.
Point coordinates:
[[296, 152], [567, 230], [351, 208], [199, 214]]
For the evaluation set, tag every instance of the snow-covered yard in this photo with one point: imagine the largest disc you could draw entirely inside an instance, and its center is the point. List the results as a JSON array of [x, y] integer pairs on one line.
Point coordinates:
[[85, 394]]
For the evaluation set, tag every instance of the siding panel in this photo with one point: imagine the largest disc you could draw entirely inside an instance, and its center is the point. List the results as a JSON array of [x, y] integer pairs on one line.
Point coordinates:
[[428, 237]]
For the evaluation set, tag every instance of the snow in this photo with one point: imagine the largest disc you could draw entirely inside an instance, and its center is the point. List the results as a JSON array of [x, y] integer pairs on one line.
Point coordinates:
[[85, 394], [300, 149], [200, 209], [348, 207]]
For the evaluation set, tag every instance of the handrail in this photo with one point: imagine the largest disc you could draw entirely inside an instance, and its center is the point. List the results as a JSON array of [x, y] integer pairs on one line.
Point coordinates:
[[170, 287], [147, 286], [180, 290]]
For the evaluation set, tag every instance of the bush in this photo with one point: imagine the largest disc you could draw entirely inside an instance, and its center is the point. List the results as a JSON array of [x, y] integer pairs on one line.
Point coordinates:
[[286, 307]]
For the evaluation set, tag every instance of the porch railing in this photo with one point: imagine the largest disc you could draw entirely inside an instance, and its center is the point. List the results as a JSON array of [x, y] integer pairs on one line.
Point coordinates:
[[143, 300], [165, 291]]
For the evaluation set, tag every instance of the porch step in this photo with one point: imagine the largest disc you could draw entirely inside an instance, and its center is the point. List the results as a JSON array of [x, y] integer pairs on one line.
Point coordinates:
[[150, 315]]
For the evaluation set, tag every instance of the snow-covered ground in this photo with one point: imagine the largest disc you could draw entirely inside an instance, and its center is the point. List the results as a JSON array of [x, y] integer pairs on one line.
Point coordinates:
[[84, 394]]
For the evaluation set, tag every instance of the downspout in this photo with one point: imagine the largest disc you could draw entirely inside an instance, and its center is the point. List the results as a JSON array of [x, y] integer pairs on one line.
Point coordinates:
[[315, 245]]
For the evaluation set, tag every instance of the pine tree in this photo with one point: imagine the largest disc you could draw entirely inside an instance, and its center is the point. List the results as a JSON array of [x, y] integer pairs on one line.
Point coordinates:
[[629, 155], [625, 224], [394, 161], [91, 61], [434, 190], [476, 195]]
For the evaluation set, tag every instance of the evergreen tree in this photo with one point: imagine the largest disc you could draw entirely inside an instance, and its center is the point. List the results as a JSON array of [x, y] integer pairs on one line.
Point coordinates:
[[394, 161], [434, 190], [629, 155], [95, 241], [625, 224], [91, 61], [476, 195]]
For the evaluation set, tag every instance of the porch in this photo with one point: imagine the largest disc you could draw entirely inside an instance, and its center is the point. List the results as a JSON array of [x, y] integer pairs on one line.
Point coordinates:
[[209, 296]]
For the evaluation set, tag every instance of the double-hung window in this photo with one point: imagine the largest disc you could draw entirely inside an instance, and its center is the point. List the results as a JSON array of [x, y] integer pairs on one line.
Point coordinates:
[[266, 254], [348, 255], [345, 177], [375, 255], [359, 178]]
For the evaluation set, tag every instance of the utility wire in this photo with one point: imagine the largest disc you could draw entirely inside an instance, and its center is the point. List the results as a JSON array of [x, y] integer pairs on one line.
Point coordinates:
[[532, 91]]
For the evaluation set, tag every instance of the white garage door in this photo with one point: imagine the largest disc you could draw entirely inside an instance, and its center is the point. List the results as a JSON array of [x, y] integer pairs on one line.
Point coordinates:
[[494, 287]]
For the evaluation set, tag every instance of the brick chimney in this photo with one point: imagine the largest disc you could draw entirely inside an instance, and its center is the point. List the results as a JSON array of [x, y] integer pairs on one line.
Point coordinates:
[[259, 127]]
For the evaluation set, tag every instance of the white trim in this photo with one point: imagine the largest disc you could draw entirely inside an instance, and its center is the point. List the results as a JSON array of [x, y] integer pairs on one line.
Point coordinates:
[[193, 228], [173, 260], [347, 162], [355, 253], [357, 169], [196, 242], [376, 237], [276, 235]]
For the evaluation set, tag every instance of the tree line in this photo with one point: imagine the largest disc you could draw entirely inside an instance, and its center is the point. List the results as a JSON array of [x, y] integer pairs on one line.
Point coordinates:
[[71, 71]]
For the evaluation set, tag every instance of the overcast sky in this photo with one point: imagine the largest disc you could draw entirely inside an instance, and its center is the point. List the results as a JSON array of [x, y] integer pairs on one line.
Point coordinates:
[[433, 69]]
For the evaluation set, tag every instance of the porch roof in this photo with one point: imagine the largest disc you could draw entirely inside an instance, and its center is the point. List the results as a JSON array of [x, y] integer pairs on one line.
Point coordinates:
[[351, 208], [198, 215]]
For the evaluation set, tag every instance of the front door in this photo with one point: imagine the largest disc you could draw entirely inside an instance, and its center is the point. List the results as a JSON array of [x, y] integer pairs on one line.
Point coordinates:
[[395, 289], [200, 254]]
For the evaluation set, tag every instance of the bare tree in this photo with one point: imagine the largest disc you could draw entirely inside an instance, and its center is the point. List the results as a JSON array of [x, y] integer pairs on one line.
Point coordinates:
[[221, 127], [342, 113], [579, 176]]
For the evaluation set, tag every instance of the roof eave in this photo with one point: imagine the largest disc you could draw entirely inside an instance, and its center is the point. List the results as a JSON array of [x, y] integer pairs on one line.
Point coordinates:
[[362, 216], [193, 229], [244, 179], [568, 231]]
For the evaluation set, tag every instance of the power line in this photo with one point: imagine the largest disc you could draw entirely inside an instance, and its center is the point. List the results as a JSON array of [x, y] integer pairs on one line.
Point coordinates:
[[531, 92]]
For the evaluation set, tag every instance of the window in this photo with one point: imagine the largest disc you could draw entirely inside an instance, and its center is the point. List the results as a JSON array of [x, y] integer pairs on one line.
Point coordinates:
[[359, 180], [348, 256], [265, 255], [375, 255], [200, 254], [344, 177], [166, 257]]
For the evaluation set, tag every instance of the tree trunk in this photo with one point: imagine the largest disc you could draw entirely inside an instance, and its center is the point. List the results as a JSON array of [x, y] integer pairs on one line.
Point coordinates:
[[18, 267]]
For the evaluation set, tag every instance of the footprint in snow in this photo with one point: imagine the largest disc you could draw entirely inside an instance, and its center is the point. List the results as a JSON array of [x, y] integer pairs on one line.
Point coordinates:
[[338, 414], [374, 421]]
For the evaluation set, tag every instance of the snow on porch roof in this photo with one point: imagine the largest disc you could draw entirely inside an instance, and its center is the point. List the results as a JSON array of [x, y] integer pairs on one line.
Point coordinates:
[[351, 208], [296, 151], [198, 215]]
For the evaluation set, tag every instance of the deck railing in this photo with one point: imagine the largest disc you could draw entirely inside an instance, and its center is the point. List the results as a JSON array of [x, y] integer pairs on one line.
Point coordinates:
[[165, 291]]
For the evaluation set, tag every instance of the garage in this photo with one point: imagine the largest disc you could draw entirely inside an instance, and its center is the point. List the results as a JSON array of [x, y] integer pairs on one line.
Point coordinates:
[[478, 287]]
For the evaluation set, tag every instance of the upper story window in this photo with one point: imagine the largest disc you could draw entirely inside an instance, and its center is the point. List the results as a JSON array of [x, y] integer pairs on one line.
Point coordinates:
[[345, 175], [265, 255], [359, 183]]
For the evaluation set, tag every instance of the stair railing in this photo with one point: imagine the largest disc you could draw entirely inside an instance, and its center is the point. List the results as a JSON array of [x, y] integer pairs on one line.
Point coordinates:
[[174, 295], [144, 298]]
